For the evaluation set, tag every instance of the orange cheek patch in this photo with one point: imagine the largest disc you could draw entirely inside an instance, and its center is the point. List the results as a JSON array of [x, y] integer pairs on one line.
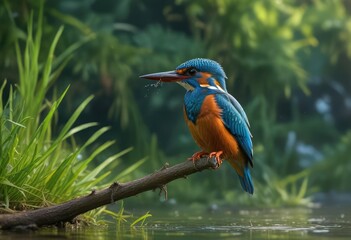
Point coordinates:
[[204, 78]]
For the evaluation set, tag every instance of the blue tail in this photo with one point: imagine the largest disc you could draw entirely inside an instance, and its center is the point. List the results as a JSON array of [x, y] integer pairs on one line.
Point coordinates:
[[246, 181]]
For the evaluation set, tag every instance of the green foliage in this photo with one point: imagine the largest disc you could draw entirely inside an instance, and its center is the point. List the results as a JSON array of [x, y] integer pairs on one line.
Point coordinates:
[[121, 218], [38, 167], [336, 165], [141, 220], [271, 51], [156, 39], [259, 39], [290, 190]]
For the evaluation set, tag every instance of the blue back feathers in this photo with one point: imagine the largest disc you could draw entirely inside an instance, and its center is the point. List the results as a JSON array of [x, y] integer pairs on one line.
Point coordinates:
[[246, 181]]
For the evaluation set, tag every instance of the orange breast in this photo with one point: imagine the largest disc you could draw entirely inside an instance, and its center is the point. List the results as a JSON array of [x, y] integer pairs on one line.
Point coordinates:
[[209, 131], [211, 135]]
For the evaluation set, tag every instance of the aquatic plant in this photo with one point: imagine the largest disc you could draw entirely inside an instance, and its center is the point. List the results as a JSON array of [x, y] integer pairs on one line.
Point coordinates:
[[39, 163]]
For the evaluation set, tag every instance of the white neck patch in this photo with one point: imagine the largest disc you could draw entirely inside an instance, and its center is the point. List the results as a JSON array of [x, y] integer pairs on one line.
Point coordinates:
[[186, 86], [217, 87], [191, 88]]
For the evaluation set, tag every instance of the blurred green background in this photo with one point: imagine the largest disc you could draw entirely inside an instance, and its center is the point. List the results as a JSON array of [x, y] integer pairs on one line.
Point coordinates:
[[288, 64]]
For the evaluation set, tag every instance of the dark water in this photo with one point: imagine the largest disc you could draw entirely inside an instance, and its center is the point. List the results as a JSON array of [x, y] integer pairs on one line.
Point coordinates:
[[329, 222]]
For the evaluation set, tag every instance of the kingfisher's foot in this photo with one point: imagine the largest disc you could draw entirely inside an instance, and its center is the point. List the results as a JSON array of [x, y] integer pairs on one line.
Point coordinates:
[[217, 156], [197, 156]]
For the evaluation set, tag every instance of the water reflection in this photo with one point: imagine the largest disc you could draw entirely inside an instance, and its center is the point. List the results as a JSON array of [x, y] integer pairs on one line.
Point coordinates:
[[257, 224], [325, 222]]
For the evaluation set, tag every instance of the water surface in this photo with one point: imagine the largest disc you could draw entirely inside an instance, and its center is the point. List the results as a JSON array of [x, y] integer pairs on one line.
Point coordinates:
[[329, 222]]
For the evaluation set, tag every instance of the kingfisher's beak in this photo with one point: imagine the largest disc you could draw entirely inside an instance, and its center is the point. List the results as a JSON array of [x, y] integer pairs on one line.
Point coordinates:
[[171, 76]]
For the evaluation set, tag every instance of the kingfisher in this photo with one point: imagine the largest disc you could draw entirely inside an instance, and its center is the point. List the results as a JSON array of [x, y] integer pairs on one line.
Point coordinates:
[[216, 120]]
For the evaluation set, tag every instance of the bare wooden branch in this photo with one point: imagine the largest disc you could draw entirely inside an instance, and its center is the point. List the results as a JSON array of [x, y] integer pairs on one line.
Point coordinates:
[[66, 212]]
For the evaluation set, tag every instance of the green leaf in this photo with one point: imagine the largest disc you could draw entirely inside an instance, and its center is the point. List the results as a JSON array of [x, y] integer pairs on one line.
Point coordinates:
[[141, 219]]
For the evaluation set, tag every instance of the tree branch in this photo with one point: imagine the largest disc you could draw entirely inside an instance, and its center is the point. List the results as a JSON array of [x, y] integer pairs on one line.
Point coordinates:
[[66, 212]]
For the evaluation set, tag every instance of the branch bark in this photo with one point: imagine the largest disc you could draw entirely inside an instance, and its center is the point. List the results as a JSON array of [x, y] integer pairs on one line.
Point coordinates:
[[66, 212]]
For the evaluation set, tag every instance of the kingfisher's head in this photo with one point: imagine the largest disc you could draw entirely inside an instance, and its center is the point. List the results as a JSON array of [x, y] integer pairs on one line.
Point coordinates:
[[195, 73]]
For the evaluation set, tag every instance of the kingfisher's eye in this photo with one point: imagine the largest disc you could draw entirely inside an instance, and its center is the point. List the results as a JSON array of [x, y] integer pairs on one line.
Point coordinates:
[[191, 71]]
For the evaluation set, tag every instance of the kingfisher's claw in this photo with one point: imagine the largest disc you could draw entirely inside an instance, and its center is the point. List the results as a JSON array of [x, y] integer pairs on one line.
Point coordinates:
[[217, 156], [197, 156]]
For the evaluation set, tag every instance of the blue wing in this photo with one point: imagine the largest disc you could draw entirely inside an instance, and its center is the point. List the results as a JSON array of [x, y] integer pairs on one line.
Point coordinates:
[[238, 107], [236, 122]]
